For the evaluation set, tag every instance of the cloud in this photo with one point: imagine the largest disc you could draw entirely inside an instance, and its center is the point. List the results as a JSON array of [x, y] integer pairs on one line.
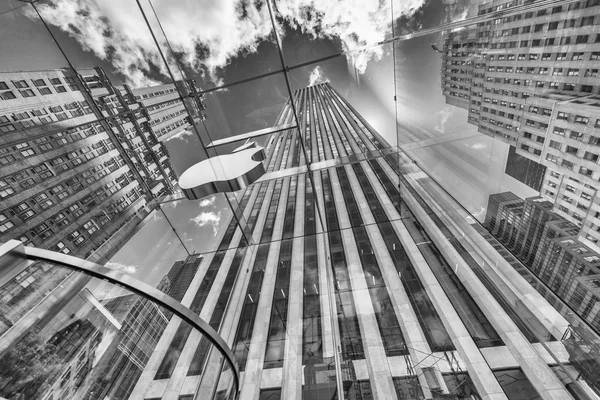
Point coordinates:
[[442, 118], [128, 269], [207, 202], [208, 218], [206, 35], [356, 23], [182, 135], [317, 76], [478, 146]]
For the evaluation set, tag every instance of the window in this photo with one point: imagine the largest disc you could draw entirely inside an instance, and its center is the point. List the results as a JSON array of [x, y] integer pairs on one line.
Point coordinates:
[[5, 224], [553, 26], [45, 91], [554, 144], [581, 120], [585, 171], [590, 156], [60, 89], [567, 164], [562, 115], [27, 153], [576, 135], [55, 81], [27, 93], [91, 227], [577, 56], [538, 28], [3, 86], [585, 21], [587, 88], [561, 56], [546, 56], [20, 84], [571, 150], [557, 71], [582, 39], [7, 128], [7, 96], [573, 72], [6, 191]]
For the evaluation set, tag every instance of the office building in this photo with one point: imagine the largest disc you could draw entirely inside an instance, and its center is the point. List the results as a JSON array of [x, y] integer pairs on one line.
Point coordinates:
[[530, 79], [373, 304], [548, 245], [82, 160]]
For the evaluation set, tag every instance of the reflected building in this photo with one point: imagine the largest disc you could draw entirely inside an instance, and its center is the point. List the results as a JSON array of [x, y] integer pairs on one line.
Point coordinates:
[[82, 160], [548, 245], [86, 347], [81, 164], [351, 283], [531, 80]]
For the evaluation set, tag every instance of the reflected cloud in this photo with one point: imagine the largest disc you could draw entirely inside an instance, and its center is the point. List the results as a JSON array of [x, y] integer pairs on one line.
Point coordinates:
[[477, 146], [317, 76], [442, 117], [211, 219], [209, 201], [183, 135], [128, 269]]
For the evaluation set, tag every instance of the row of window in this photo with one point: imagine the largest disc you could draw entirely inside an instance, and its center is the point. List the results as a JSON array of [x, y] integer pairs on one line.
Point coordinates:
[[553, 158], [587, 72], [551, 26], [547, 11], [153, 94], [24, 88]]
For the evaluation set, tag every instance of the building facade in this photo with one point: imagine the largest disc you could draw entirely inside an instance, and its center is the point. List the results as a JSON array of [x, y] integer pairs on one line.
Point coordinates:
[[369, 303], [548, 245], [82, 160], [530, 79]]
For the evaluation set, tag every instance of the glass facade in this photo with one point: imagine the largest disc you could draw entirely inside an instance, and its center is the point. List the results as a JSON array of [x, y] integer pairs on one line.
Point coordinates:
[[424, 226]]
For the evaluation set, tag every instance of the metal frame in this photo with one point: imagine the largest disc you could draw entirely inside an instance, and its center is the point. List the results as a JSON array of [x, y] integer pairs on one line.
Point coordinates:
[[137, 287]]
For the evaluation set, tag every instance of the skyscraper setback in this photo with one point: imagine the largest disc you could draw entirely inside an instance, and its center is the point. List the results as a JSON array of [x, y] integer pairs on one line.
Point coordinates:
[[352, 282], [530, 79], [82, 160]]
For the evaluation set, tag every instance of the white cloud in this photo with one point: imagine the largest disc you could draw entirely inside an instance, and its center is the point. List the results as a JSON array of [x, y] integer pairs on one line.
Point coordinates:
[[208, 219], [442, 118], [183, 135], [128, 269], [356, 23], [208, 34], [209, 201], [317, 76], [478, 146]]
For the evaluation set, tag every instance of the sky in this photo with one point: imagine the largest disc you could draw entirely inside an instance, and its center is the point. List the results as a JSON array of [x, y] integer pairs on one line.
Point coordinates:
[[218, 42]]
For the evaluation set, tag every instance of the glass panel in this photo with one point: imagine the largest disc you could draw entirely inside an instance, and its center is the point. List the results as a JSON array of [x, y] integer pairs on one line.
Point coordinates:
[[90, 338], [427, 212]]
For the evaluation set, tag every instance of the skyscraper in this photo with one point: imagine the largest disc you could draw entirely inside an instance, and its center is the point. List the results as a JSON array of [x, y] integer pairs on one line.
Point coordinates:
[[354, 282], [82, 160], [547, 244], [530, 79]]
